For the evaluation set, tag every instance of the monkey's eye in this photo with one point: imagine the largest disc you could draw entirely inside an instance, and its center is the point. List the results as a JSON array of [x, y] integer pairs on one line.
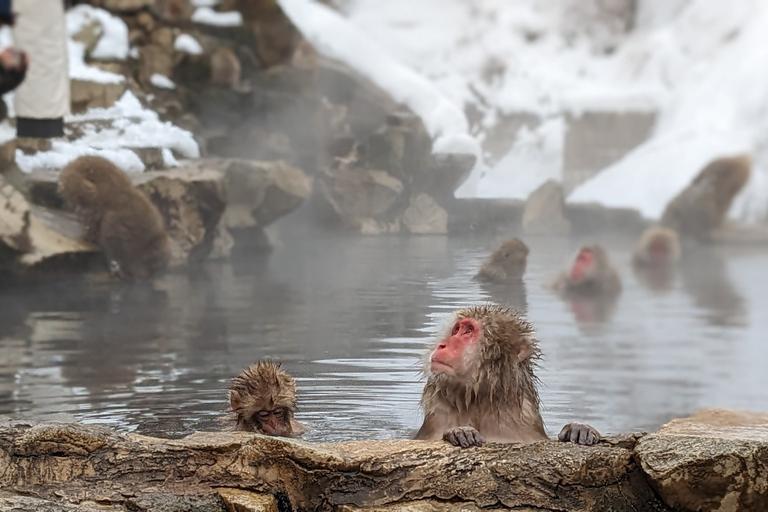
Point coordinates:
[[469, 329], [263, 415], [279, 413], [455, 330], [506, 255]]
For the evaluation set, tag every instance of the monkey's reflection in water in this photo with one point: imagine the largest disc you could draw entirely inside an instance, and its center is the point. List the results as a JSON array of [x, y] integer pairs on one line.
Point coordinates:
[[124, 327], [705, 278]]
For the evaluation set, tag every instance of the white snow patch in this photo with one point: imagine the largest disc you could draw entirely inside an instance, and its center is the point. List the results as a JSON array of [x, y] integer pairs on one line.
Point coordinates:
[[79, 70], [7, 132], [162, 81], [185, 43], [205, 3], [125, 124], [333, 36], [113, 39], [168, 159], [535, 157], [63, 152], [208, 16], [6, 37]]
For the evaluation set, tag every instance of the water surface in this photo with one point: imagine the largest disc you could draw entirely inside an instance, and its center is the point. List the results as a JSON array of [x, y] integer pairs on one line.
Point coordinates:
[[349, 317]]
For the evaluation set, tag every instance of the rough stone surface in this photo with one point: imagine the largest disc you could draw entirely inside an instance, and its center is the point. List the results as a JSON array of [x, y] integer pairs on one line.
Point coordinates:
[[715, 460], [72, 464], [191, 201], [544, 211], [85, 95], [237, 500], [425, 216]]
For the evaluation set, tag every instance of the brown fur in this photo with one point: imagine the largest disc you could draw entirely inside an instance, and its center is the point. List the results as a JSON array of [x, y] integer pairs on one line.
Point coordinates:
[[703, 205], [225, 67], [642, 254], [263, 386], [120, 219], [602, 278], [501, 401], [506, 264]]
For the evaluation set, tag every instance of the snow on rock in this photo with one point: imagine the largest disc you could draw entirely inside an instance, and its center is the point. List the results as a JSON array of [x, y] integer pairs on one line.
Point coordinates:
[[208, 16], [333, 36], [7, 132], [108, 131], [205, 3], [113, 41], [536, 156], [79, 70], [185, 43], [162, 81]]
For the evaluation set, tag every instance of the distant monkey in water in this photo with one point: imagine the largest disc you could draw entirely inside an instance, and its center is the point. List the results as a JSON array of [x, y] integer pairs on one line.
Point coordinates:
[[225, 67], [506, 264], [481, 384], [591, 274], [120, 219], [657, 247], [263, 399], [703, 205]]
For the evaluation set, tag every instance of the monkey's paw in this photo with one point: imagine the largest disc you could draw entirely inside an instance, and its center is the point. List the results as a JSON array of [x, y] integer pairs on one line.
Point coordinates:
[[464, 437], [579, 433]]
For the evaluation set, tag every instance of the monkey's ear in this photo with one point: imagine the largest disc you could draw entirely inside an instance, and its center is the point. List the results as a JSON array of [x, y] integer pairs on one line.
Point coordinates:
[[525, 350], [235, 400]]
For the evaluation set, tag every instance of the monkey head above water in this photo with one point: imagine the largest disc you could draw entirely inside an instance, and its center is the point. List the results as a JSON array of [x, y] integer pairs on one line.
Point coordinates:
[[657, 247], [481, 384], [591, 274], [120, 219], [506, 264], [263, 399]]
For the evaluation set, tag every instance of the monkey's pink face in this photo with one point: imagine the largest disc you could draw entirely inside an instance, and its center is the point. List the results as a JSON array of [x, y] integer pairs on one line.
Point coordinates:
[[274, 422], [450, 355], [659, 251], [582, 266]]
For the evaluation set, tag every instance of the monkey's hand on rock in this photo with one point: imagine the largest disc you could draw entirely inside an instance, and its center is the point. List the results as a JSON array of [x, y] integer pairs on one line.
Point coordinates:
[[464, 437], [579, 433]]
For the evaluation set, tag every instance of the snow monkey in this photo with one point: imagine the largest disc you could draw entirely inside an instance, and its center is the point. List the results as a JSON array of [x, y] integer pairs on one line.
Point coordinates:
[[263, 399], [117, 217], [506, 264], [657, 247], [481, 384], [591, 274], [702, 206]]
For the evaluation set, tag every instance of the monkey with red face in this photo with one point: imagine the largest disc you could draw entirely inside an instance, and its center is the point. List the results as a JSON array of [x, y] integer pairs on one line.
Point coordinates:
[[263, 399], [481, 384], [657, 247], [591, 274]]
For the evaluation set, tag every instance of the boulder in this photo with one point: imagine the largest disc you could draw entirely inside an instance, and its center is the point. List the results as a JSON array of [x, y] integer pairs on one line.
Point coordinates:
[[192, 200], [544, 211], [85, 95], [425, 216], [712, 460]]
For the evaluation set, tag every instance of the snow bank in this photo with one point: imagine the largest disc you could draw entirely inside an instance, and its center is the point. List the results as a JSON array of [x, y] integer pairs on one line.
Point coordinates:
[[185, 43], [702, 65], [108, 131], [720, 109], [333, 36], [113, 40], [208, 16]]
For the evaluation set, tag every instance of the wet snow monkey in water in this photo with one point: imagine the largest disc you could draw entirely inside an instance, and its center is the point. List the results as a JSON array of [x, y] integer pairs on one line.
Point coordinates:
[[657, 247], [263, 399], [117, 217], [591, 274], [481, 385], [506, 264]]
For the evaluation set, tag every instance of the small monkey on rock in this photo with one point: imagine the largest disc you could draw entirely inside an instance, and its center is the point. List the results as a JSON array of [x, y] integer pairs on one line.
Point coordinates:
[[263, 399], [506, 264], [481, 384], [591, 274], [120, 219]]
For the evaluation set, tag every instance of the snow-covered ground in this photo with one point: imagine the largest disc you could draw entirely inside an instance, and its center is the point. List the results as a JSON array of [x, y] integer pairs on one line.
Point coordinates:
[[702, 64], [106, 132]]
